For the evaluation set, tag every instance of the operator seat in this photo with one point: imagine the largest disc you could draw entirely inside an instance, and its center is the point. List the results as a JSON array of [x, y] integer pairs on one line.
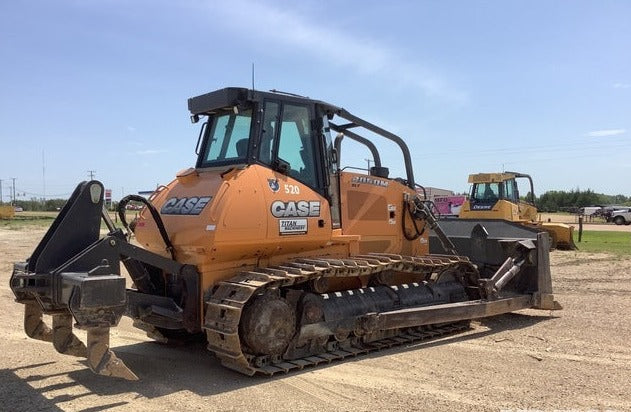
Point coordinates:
[[267, 142], [489, 195], [242, 147], [307, 173]]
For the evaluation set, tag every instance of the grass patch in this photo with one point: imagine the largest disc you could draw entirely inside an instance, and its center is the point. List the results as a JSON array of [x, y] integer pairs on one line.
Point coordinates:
[[20, 221], [23, 220], [618, 243]]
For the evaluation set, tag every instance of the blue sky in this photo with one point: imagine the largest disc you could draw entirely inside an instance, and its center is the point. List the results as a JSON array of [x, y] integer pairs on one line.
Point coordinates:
[[541, 87]]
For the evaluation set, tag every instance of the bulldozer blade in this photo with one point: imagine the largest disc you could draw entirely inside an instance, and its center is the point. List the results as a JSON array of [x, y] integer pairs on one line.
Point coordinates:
[[64, 340], [543, 298], [102, 360], [562, 235], [34, 325]]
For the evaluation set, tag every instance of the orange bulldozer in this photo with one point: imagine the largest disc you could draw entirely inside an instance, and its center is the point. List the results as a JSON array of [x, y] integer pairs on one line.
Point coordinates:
[[270, 250]]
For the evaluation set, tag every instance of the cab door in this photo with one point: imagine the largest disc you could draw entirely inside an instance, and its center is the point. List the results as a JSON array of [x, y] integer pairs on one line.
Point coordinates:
[[288, 142], [298, 211]]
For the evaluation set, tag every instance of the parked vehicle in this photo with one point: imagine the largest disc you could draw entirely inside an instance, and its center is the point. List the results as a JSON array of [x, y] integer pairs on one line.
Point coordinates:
[[496, 196], [621, 217]]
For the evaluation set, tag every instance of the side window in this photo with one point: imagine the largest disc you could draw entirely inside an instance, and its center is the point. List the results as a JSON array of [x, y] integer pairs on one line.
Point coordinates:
[[510, 192], [296, 143], [268, 133], [293, 143]]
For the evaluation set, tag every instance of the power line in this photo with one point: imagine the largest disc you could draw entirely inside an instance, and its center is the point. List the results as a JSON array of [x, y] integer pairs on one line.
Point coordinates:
[[58, 195]]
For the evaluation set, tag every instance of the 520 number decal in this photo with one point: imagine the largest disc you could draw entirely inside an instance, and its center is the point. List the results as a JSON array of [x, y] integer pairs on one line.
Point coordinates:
[[292, 189]]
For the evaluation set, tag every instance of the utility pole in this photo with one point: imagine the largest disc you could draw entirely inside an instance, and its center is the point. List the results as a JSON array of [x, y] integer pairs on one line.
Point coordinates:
[[13, 202], [0, 191], [369, 161], [43, 179], [91, 173]]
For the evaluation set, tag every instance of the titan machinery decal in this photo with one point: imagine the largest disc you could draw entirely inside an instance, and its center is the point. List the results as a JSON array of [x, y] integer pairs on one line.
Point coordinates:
[[370, 181], [185, 205], [292, 226], [301, 208]]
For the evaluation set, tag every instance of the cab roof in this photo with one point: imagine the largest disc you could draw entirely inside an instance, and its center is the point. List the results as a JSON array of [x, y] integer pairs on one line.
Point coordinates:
[[490, 177], [240, 96]]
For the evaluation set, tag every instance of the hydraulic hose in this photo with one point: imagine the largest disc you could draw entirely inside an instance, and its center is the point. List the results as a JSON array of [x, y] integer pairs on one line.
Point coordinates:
[[418, 233], [422, 212], [154, 213]]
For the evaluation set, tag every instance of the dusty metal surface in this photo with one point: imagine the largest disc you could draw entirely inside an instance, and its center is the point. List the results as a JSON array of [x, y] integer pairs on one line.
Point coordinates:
[[226, 306]]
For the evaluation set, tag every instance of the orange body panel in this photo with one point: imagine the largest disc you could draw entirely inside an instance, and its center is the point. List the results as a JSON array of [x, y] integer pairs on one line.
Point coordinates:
[[259, 217], [372, 207]]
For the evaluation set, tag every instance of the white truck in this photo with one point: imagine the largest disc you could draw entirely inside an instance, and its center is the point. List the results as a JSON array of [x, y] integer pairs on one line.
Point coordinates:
[[621, 216]]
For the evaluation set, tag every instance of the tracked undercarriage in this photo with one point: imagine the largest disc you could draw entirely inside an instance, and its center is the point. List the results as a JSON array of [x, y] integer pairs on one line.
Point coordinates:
[[275, 319]]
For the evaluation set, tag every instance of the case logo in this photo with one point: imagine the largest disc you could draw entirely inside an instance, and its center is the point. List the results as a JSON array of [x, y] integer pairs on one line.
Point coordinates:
[[185, 205], [301, 208]]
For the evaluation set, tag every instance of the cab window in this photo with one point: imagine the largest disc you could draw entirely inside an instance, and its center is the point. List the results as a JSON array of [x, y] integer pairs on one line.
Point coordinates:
[[486, 192], [268, 133], [292, 143], [510, 191], [227, 138]]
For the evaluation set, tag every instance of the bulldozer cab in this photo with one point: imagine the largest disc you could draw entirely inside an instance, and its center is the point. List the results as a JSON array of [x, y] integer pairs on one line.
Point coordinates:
[[282, 132], [273, 133], [498, 194], [288, 134]]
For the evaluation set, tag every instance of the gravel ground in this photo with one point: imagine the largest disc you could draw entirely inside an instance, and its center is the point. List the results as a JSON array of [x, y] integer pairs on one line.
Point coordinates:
[[575, 359]]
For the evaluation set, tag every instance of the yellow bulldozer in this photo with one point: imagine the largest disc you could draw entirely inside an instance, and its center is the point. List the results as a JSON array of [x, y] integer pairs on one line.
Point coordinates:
[[496, 196], [270, 250]]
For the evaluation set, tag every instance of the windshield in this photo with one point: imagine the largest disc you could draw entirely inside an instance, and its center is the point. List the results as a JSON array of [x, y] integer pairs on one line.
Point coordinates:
[[227, 137], [486, 192]]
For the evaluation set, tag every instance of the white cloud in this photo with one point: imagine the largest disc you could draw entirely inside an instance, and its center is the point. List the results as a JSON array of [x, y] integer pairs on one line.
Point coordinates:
[[621, 85], [131, 129], [150, 151], [606, 132], [271, 25]]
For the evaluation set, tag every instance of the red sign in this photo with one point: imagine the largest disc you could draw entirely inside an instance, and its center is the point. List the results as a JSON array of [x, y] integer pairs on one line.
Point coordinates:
[[449, 205]]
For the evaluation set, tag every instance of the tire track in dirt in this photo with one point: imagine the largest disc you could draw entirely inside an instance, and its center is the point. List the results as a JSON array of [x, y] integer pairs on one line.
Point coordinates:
[[585, 360]]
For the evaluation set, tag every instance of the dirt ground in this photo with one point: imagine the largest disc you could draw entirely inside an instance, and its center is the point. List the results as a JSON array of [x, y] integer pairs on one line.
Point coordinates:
[[575, 359]]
